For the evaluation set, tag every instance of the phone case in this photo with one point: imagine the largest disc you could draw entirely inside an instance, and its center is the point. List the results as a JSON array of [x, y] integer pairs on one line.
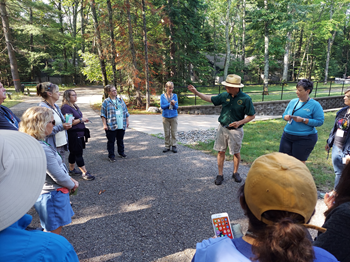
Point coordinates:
[[221, 225]]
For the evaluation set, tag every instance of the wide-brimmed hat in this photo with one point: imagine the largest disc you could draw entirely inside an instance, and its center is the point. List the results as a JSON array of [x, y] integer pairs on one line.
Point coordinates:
[[233, 81], [278, 181], [22, 175]]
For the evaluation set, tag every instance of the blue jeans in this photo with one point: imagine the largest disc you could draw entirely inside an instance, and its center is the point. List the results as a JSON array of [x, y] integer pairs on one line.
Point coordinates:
[[338, 166], [111, 137]]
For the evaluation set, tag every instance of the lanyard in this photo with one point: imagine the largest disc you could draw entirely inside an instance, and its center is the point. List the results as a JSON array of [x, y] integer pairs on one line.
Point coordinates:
[[299, 107], [51, 147], [56, 111]]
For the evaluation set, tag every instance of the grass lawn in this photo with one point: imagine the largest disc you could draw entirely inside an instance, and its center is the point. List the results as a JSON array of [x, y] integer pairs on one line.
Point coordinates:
[[255, 92], [262, 137]]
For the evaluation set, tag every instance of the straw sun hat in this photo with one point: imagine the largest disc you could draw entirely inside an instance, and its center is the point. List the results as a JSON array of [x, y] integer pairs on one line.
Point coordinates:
[[22, 175], [233, 81]]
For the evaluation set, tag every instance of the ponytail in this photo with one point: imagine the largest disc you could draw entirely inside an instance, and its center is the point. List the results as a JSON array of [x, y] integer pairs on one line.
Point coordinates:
[[285, 240]]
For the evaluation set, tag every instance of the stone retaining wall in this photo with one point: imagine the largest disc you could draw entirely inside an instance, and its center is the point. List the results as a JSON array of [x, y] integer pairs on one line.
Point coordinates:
[[263, 108]]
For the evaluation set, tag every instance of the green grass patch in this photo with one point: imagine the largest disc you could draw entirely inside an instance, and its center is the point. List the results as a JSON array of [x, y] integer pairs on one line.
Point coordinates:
[[255, 92], [263, 137]]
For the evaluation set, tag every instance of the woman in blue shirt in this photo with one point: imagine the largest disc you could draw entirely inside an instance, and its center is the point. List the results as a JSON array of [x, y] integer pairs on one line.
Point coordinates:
[[169, 105], [303, 115]]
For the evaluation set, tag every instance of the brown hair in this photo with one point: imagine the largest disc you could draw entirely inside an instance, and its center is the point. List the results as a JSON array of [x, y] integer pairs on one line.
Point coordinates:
[[66, 98], [107, 89], [285, 240], [34, 121], [342, 190], [43, 88]]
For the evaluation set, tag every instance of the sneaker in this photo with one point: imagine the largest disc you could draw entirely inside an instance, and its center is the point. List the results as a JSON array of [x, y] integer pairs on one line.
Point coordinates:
[[174, 149], [166, 150], [236, 176], [218, 180], [111, 159], [74, 172], [88, 176], [122, 155]]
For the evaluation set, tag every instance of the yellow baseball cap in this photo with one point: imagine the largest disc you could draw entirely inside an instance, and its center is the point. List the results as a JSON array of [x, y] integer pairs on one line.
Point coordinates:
[[278, 181]]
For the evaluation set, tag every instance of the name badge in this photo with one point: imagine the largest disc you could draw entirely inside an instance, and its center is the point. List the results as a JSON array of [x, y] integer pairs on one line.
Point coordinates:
[[340, 133], [118, 112]]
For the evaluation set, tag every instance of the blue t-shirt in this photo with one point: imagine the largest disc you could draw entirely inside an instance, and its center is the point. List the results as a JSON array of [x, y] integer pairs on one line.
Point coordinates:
[[223, 249], [20, 245], [311, 110]]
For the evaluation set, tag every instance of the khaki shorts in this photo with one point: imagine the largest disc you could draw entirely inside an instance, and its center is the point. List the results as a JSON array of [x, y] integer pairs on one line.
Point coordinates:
[[231, 138]]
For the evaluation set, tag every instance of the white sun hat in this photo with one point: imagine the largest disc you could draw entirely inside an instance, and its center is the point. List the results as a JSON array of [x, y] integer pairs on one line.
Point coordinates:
[[22, 175]]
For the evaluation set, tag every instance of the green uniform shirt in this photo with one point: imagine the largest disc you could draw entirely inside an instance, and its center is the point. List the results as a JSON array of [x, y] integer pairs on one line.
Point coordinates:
[[233, 108]]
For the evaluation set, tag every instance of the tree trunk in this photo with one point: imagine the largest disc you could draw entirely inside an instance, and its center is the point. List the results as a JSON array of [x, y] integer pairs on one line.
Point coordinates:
[[286, 58], [266, 69], [32, 77], [82, 36], [99, 43], [228, 51], [146, 54], [111, 32], [172, 44], [133, 54], [329, 47], [11, 52], [64, 52], [214, 66], [74, 34], [243, 34]]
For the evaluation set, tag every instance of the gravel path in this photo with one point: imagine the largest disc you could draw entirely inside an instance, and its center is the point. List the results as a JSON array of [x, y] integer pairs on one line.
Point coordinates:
[[155, 206]]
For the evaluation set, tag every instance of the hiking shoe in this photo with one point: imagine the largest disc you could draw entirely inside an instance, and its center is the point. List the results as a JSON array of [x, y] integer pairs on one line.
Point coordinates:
[[218, 180], [174, 149], [88, 176], [122, 155], [111, 159], [74, 172], [236, 176], [166, 150]]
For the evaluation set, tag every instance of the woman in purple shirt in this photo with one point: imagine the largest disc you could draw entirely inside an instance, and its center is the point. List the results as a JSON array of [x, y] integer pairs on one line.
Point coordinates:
[[76, 139]]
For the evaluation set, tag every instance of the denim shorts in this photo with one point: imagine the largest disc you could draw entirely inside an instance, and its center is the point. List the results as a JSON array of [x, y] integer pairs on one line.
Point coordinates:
[[54, 210], [298, 146]]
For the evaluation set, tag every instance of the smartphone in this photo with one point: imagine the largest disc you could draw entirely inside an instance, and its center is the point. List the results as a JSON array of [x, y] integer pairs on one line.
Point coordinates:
[[293, 117], [221, 225]]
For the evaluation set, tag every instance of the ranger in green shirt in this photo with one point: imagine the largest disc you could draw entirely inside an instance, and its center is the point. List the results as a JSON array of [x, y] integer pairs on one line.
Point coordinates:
[[237, 109]]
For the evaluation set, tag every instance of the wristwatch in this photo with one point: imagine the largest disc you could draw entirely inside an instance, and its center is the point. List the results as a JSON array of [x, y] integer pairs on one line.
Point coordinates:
[[81, 120], [304, 120]]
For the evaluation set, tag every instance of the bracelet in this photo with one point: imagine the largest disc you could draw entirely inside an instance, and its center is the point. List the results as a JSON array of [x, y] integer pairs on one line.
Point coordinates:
[[81, 121]]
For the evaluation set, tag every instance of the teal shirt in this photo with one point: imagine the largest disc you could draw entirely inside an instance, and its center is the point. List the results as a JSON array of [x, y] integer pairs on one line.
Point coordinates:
[[233, 108], [311, 110]]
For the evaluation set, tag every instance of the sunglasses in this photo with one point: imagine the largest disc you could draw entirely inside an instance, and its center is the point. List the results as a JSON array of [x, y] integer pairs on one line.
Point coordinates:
[[53, 122]]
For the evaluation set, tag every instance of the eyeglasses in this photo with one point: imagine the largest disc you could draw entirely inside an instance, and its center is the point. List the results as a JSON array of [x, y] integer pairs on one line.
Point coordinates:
[[53, 122]]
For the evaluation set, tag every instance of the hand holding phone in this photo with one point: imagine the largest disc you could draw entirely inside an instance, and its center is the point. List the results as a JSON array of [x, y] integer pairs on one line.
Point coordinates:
[[221, 225]]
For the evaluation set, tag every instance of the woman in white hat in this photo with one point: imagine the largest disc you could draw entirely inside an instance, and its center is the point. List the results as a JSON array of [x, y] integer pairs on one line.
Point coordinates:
[[22, 175], [53, 205], [279, 197]]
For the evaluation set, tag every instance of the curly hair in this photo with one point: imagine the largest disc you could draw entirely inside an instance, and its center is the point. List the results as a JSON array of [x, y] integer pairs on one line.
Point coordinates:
[[285, 240], [34, 121], [66, 97], [43, 88]]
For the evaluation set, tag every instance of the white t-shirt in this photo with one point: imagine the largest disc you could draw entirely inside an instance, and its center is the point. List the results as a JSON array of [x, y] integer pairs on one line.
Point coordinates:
[[60, 137]]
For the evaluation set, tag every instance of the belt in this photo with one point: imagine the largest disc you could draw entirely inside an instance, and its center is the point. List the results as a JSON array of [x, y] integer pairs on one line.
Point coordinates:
[[227, 127]]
